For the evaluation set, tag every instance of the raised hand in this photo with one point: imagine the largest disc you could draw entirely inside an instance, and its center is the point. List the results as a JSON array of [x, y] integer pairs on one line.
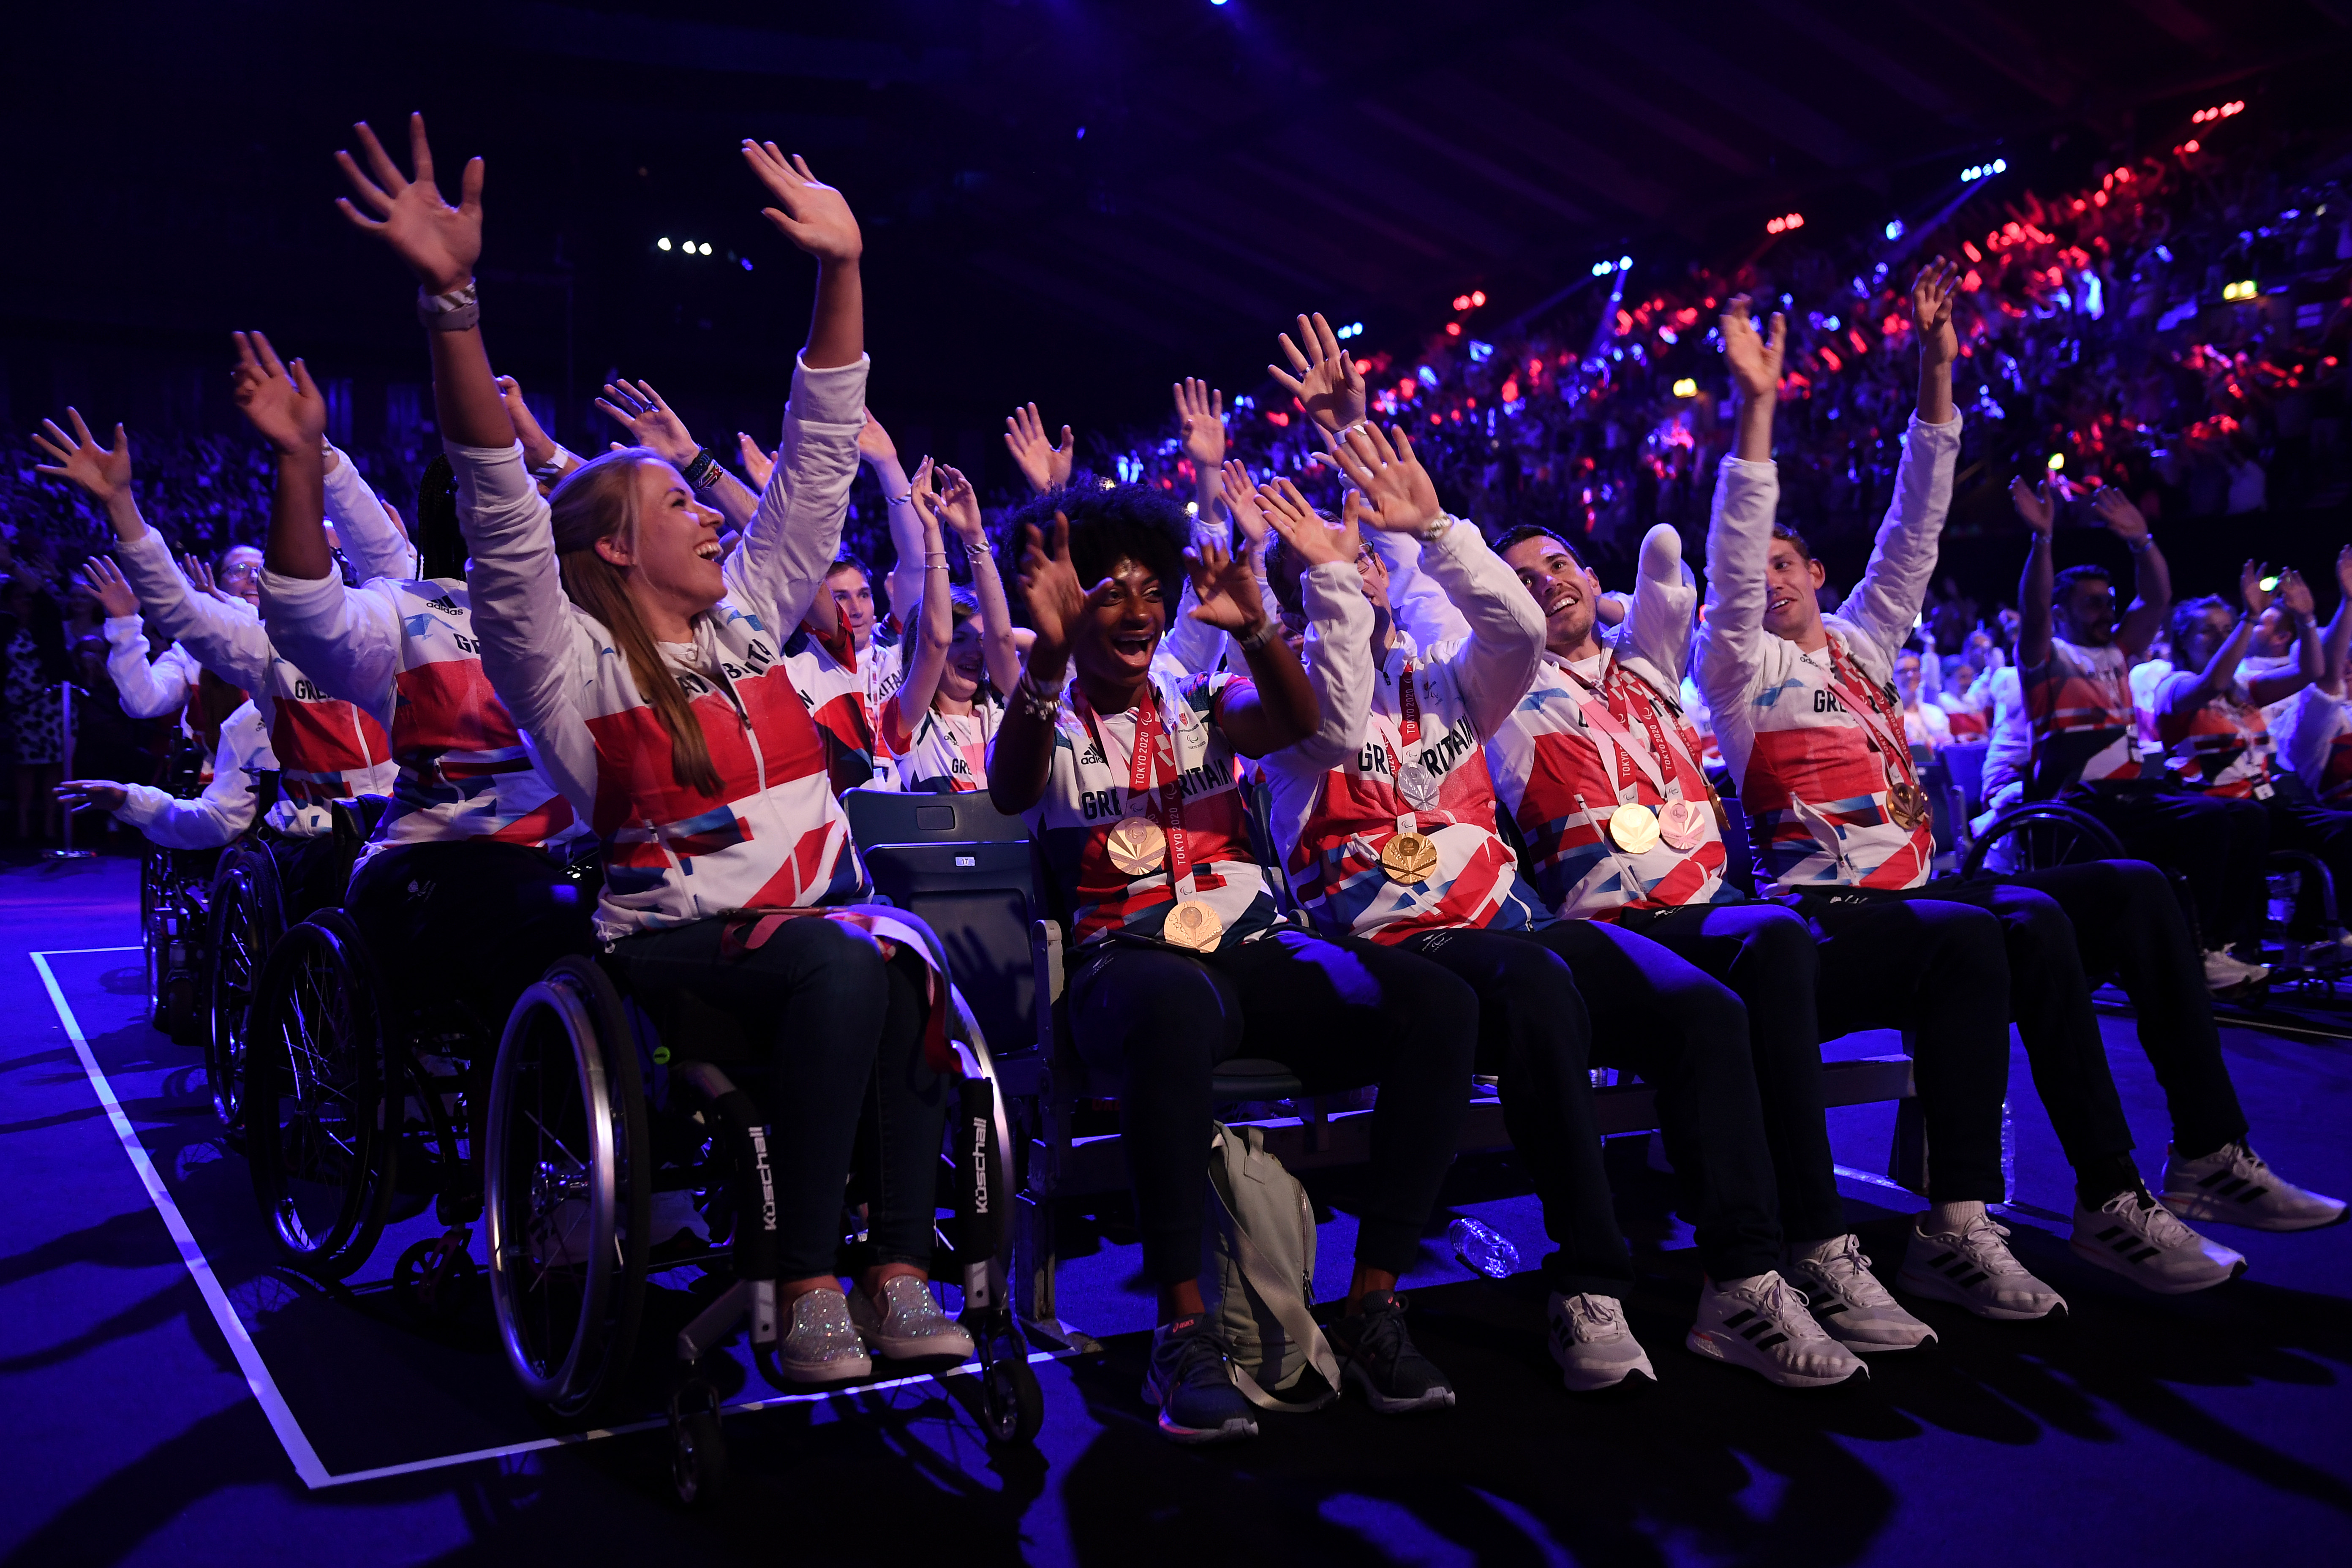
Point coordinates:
[[280, 401], [1402, 497], [2036, 505], [103, 473], [2295, 593], [2249, 587], [2116, 510], [1050, 585], [651, 423], [1932, 294], [1753, 358], [1327, 384], [1045, 466], [109, 588], [199, 573], [2343, 572], [1304, 535], [958, 504], [873, 443], [1201, 416], [808, 212], [1243, 501], [1225, 587], [757, 462], [77, 794], [439, 242]]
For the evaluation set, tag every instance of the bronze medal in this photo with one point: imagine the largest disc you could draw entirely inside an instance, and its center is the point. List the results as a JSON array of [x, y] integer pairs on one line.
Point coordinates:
[[1409, 857], [1906, 803], [1137, 847], [1683, 825], [1634, 827], [1193, 924]]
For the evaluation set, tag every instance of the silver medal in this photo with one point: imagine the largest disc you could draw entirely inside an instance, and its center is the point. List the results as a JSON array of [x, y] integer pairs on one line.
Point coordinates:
[[1418, 785]]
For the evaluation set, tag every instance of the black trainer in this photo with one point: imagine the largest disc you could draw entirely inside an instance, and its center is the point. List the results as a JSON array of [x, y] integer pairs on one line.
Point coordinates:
[[1192, 1380], [1377, 1357]]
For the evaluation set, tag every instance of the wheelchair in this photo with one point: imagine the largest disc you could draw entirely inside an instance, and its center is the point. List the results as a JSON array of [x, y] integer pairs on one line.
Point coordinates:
[[174, 917], [591, 1113], [2037, 836]]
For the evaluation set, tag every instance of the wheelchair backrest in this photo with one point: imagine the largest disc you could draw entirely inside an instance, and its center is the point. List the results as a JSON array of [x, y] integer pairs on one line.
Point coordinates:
[[979, 897], [878, 816]]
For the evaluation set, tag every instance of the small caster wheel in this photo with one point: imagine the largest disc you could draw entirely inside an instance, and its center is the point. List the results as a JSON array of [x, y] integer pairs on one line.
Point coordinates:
[[1010, 1404], [698, 1449], [435, 1278]]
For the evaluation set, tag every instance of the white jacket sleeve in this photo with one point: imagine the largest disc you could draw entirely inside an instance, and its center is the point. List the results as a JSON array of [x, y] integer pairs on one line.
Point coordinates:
[[1738, 545], [1654, 641], [371, 541], [1885, 605], [346, 639], [777, 569], [1338, 664], [2313, 720], [149, 691], [224, 809], [539, 658], [1497, 664], [1195, 645], [228, 642]]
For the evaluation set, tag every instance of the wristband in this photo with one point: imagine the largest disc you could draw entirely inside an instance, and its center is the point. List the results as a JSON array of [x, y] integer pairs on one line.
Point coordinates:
[[703, 472], [555, 468], [975, 552], [1033, 699], [457, 310], [906, 500], [1258, 635], [2141, 548]]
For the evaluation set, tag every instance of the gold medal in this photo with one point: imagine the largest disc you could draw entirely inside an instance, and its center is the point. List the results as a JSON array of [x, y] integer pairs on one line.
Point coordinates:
[[1634, 827], [1137, 847], [1683, 825], [1409, 857], [1195, 925], [1906, 803]]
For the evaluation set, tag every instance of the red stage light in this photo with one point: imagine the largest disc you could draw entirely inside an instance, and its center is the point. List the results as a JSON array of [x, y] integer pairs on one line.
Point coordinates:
[[1453, 329], [1478, 296], [1462, 301]]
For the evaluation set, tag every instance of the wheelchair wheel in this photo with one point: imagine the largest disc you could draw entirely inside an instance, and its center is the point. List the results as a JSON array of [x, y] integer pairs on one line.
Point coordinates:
[[246, 924], [324, 1161], [1012, 1405], [154, 878], [2040, 836], [568, 1188]]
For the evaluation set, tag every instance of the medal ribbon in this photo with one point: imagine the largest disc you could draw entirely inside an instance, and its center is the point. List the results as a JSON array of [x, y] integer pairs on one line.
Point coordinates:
[[1142, 765], [1867, 709], [1408, 733], [1630, 754]]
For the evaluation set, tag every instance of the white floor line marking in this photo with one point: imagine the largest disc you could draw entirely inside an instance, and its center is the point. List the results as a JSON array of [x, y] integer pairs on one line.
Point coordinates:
[[69, 951], [290, 1436], [240, 1344]]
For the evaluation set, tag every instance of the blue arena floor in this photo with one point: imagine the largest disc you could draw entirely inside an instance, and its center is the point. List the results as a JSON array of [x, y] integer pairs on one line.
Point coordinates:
[[168, 1395]]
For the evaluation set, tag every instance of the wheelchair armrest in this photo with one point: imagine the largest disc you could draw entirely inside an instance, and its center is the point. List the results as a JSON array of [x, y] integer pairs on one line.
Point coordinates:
[[1045, 961]]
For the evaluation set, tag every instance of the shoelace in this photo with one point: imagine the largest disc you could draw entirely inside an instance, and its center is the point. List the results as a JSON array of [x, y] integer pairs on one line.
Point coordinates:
[[1986, 1241], [1848, 1269], [1599, 1313], [1201, 1352], [1383, 1338], [1790, 1311], [2156, 1222]]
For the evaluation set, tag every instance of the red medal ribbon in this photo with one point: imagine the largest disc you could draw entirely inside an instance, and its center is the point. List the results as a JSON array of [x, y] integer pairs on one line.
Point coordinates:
[[1866, 707], [1143, 765], [1409, 700]]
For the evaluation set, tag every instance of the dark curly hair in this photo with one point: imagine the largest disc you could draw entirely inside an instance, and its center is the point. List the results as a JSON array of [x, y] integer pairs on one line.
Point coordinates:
[[1108, 524]]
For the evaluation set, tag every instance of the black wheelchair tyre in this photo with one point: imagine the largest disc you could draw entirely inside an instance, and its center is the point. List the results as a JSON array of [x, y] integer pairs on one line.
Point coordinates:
[[1012, 1404], [323, 1159], [567, 1176], [246, 923], [698, 1448], [2046, 834]]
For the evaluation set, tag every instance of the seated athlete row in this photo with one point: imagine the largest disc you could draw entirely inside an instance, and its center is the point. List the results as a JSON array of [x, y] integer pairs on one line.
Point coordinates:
[[605, 628]]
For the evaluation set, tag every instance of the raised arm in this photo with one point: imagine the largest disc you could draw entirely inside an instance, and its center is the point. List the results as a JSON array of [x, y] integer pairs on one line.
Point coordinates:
[[960, 507], [1322, 376], [2035, 505], [1739, 532], [532, 648], [149, 691], [1201, 427], [2334, 646], [2152, 576], [286, 408], [372, 537], [1656, 643], [1338, 649], [792, 537], [2294, 601], [547, 459], [228, 642], [1885, 605], [216, 817], [908, 576], [1023, 756], [934, 627], [2220, 672]]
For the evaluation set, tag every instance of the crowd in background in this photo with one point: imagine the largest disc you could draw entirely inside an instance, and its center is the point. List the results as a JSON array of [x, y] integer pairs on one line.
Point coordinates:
[[2176, 328]]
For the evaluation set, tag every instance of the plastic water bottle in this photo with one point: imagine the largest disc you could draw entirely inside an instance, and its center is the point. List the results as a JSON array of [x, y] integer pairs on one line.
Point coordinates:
[[1481, 1249]]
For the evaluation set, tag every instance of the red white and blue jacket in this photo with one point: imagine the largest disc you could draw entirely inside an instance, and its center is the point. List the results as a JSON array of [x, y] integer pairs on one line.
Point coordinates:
[[1604, 732], [2315, 740], [1336, 800], [1815, 739], [403, 650], [2079, 706], [2220, 746], [774, 834], [848, 694]]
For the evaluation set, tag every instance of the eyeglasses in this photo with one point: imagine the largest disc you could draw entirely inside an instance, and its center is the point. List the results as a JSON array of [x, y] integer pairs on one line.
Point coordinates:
[[243, 572]]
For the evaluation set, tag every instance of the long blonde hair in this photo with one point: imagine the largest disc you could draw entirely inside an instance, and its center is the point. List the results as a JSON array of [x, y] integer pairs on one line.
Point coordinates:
[[597, 501]]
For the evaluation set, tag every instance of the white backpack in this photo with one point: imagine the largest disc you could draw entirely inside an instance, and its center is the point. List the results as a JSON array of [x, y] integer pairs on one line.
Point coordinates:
[[1257, 1274]]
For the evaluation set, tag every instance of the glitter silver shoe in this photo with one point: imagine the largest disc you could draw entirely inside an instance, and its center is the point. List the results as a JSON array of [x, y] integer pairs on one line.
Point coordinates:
[[821, 1346], [914, 1329]]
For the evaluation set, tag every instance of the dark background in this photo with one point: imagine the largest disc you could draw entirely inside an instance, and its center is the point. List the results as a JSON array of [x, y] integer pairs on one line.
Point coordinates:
[[1239, 163]]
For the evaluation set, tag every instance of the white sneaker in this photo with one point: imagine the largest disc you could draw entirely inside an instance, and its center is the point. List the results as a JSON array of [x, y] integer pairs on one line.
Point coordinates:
[[915, 1328], [2138, 1238], [2232, 1185], [1592, 1342], [1764, 1326], [2223, 972], [1847, 1299], [1973, 1267]]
